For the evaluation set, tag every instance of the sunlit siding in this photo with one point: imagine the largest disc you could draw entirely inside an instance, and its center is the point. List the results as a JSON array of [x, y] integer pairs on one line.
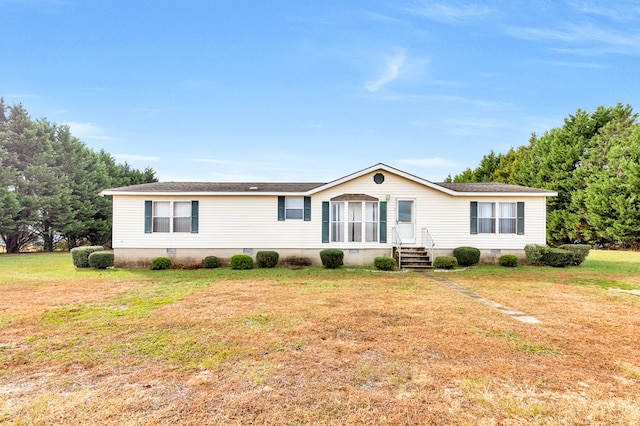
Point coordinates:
[[251, 221], [224, 221]]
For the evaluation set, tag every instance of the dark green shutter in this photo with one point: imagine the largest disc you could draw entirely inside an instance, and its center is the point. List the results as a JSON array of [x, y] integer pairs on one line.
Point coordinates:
[[325, 221], [194, 217], [520, 218], [383, 221], [148, 217], [281, 208], [474, 217], [307, 208]]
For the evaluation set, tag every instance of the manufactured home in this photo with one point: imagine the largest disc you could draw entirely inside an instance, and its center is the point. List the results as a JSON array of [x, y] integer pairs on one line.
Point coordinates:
[[378, 211]]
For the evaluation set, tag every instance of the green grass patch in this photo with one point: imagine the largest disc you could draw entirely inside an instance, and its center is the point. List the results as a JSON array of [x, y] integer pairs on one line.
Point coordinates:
[[523, 345]]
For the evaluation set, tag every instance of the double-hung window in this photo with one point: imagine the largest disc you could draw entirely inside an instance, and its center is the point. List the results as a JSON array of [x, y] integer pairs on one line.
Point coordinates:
[[161, 216], [294, 208], [502, 218], [486, 218], [182, 216], [508, 218], [171, 216], [337, 222]]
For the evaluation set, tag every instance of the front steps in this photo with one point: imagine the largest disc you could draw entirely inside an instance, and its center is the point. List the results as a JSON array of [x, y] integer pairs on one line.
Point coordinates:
[[415, 258]]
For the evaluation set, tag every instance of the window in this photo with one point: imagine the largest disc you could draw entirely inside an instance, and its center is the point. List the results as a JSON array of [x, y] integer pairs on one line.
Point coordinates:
[[161, 216], [507, 218], [171, 216], [182, 216], [486, 218], [371, 222], [362, 220], [293, 208], [404, 211], [337, 222]]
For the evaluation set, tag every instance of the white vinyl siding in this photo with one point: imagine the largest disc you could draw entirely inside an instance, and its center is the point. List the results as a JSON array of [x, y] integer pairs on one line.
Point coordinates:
[[248, 221]]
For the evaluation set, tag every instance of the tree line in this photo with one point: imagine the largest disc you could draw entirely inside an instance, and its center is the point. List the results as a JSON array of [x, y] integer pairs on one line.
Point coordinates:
[[50, 183], [593, 162]]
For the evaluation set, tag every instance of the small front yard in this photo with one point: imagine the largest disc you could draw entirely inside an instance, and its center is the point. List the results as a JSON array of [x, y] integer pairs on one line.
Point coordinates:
[[282, 346]]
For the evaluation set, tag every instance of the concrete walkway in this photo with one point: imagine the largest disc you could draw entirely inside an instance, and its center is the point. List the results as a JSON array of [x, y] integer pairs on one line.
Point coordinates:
[[520, 316]]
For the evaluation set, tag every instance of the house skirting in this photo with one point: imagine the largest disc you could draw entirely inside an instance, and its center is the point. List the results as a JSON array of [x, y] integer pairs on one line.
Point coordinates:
[[142, 257]]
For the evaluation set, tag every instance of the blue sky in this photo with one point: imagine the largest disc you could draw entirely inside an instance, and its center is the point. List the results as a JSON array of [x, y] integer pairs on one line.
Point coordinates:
[[306, 90]]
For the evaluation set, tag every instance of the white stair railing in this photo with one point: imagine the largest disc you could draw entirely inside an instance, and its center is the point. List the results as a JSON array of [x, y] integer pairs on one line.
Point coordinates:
[[427, 242], [397, 243]]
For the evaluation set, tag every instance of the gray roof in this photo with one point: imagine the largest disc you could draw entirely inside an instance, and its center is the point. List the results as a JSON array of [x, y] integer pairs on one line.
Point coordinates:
[[219, 187], [271, 188], [490, 187]]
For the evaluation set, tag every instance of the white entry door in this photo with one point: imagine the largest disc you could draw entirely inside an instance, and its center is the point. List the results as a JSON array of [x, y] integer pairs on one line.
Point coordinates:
[[406, 220]]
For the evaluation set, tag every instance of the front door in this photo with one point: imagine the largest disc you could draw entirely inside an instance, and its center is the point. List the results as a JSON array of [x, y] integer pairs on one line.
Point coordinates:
[[406, 221]]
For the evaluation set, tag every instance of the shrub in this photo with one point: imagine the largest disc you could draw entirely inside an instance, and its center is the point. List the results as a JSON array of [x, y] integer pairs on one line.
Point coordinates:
[[466, 256], [101, 259], [332, 258], [508, 260], [535, 253], [384, 263], [161, 263], [241, 261], [580, 252], [210, 262], [267, 259], [80, 255], [445, 262], [557, 258]]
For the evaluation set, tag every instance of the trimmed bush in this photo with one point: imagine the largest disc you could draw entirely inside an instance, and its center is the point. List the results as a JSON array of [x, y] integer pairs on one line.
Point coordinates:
[[210, 262], [557, 258], [384, 263], [445, 262], [101, 259], [241, 261], [580, 252], [466, 256], [332, 258], [80, 255], [160, 263], [508, 260], [535, 253], [267, 259]]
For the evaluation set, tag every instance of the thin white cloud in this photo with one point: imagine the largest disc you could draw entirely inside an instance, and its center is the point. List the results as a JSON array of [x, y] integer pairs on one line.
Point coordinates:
[[87, 131], [598, 40], [135, 158], [618, 11], [392, 70], [434, 162], [450, 12]]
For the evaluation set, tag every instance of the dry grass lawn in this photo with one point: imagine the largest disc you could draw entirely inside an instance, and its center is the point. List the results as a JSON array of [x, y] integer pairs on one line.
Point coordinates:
[[316, 346]]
